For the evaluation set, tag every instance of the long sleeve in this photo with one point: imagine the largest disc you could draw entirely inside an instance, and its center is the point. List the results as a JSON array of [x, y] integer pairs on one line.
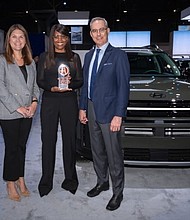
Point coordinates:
[[77, 81], [36, 91], [41, 81]]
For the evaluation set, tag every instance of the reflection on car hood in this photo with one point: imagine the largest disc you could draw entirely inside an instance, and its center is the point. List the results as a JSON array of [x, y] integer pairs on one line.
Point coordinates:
[[159, 88]]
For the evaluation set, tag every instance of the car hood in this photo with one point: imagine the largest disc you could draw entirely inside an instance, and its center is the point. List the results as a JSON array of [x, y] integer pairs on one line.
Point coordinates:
[[159, 88]]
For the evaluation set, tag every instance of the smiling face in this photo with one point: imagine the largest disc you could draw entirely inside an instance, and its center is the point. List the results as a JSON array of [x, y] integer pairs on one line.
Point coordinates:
[[99, 32], [17, 40], [60, 42]]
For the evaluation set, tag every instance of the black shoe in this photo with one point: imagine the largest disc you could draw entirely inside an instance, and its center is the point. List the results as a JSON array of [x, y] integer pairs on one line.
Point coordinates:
[[70, 185], [98, 189], [114, 202], [45, 187], [44, 191]]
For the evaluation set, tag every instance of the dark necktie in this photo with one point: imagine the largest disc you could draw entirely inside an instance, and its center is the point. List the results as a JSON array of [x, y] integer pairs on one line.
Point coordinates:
[[93, 75]]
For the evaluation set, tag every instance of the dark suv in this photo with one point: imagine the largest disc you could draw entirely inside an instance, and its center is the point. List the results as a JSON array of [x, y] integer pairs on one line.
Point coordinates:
[[156, 129]]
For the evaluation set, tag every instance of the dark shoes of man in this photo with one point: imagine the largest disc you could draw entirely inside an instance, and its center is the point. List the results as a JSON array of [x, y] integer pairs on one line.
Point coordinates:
[[114, 202], [98, 189]]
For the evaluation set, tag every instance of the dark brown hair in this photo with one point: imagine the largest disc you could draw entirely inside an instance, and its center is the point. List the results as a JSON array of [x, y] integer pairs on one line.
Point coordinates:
[[26, 51], [62, 29]]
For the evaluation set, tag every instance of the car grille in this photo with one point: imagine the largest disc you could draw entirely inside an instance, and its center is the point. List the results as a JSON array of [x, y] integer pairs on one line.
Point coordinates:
[[144, 154], [158, 109], [153, 131]]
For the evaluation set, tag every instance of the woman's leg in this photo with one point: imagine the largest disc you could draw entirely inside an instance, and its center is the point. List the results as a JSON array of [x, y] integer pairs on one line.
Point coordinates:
[[49, 126], [68, 121]]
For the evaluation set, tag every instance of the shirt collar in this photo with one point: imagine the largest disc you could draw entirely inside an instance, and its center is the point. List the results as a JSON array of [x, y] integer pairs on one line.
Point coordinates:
[[103, 48]]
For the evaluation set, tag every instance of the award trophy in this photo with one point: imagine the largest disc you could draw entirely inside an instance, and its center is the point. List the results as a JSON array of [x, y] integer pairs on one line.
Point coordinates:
[[63, 73]]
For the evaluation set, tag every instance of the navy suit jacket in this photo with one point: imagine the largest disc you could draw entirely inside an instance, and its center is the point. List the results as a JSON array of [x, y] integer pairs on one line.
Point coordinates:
[[111, 88]]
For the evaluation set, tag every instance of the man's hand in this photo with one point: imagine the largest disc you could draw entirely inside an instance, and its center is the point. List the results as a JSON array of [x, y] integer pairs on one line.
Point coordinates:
[[82, 117], [116, 123]]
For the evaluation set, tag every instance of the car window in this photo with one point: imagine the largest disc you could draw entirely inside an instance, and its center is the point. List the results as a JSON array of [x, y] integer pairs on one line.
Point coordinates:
[[142, 63], [167, 65], [152, 64]]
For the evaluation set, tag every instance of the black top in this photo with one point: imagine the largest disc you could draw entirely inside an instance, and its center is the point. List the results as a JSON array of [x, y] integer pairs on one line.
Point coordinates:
[[24, 72], [47, 78]]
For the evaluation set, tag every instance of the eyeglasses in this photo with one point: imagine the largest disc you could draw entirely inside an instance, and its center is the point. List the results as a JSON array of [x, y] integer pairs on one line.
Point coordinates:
[[101, 30], [63, 37]]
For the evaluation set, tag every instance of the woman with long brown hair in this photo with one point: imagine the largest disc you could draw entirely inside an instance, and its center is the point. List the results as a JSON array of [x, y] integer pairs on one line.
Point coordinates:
[[19, 95]]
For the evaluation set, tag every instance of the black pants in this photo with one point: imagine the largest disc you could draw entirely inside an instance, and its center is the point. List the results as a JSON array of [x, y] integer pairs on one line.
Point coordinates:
[[15, 133], [55, 110]]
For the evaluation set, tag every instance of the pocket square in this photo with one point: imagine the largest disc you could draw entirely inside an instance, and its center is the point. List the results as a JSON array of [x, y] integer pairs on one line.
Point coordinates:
[[106, 64]]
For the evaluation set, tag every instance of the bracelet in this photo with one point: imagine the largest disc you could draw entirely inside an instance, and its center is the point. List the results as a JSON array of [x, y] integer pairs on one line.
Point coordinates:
[[34, 100]]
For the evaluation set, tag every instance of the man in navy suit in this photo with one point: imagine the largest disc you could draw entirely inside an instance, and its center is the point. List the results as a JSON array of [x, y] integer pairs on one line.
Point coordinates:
[[103, 109]]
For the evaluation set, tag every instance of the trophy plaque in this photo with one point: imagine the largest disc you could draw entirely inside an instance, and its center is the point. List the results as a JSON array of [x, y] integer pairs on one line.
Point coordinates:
[[63, 73]]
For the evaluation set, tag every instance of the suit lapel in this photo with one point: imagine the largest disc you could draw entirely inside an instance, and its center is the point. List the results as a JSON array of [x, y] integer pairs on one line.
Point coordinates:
[[90, 54], [105, 57]]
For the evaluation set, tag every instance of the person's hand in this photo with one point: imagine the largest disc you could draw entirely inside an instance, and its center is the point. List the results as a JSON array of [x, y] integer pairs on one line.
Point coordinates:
[[32, 109], [57, 89], [116, 123], [82, 117], [24, 111]]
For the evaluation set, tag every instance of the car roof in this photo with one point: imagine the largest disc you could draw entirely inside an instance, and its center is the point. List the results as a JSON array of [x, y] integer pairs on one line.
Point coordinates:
[[150, 49]]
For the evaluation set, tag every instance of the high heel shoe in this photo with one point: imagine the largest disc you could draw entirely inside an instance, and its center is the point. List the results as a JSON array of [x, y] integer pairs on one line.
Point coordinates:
[[13, 196], [24, 193]]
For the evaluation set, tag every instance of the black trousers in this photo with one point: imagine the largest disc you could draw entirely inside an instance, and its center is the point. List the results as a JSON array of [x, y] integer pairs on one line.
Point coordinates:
[[55, 110], [15, 133]]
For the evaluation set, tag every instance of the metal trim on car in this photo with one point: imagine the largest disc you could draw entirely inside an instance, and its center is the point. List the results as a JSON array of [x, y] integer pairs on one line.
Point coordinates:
[[156, 109], [156, 163]]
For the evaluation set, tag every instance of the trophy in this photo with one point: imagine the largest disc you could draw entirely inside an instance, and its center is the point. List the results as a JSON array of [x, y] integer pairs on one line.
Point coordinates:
[[63, 74]]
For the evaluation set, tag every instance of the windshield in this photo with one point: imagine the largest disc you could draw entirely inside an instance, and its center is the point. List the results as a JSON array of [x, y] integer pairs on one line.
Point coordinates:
[[156, 64]]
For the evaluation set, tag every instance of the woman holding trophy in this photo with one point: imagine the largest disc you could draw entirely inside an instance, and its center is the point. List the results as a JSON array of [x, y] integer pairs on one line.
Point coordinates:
[[59, 75]]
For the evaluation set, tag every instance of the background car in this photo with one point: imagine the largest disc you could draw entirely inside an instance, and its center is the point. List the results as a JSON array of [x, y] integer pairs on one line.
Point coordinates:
[[156, 129]]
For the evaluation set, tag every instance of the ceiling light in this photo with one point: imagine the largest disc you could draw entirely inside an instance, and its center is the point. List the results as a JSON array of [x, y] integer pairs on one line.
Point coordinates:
[[185, 14], [73, 17]]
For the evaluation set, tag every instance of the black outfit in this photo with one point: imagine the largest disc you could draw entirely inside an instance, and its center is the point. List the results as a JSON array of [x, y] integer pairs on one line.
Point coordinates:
[[15, 133], [59, 107]]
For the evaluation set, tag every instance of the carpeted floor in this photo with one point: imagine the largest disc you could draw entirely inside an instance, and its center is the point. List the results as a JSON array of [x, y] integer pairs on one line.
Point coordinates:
[[150, 193]]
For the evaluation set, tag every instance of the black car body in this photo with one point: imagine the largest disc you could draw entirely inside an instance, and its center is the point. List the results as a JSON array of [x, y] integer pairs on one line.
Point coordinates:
[[156, 129]]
